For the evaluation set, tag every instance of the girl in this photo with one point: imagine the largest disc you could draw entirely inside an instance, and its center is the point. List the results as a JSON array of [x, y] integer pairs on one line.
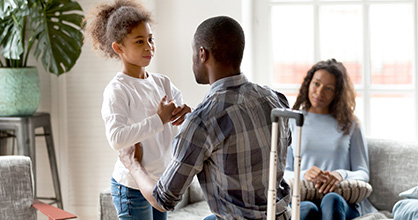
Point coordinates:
[[135, 107], [333, 145]]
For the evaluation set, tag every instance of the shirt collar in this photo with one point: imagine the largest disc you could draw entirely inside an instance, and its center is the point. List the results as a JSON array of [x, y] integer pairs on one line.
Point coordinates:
[[226, 82]]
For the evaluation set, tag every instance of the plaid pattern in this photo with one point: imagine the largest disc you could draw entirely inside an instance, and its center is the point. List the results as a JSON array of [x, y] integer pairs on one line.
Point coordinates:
[[285, 215], [226, 143]]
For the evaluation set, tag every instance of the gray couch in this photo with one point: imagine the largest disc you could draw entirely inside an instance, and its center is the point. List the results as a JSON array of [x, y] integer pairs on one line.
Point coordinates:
[[393, 169]]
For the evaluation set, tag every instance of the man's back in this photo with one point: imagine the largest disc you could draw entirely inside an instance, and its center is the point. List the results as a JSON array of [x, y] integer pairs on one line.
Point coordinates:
[[226, 142]]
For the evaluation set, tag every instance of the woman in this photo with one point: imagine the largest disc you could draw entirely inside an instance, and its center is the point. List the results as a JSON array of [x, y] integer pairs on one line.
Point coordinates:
[[333, 145]]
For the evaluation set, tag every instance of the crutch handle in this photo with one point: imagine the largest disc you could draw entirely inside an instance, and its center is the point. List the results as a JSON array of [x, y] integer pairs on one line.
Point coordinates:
[[287, 113]]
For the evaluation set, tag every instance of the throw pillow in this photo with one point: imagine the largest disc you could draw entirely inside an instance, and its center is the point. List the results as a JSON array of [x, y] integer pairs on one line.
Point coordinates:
[[406, 209], [353, 191], [410, 193]]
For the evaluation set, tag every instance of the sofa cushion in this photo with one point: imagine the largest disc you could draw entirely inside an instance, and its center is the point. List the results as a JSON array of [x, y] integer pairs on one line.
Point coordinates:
[[406, 209], [375, 216], [410, 193], [195, 211], [353, 191], [393, 169], [16, 188], [107, 210]]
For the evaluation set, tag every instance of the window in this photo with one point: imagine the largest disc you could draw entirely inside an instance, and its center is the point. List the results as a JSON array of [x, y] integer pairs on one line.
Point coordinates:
[[375, 40]]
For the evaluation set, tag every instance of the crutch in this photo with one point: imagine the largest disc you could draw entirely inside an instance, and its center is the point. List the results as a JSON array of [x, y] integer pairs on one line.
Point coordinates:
[[278, 115]]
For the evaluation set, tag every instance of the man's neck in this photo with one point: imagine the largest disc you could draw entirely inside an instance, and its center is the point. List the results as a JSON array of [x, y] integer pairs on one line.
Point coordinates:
[[219, 73]]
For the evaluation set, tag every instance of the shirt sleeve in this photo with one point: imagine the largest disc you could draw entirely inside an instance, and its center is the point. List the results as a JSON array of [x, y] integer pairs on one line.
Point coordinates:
[[171, 90], [191, 149], [289, 171], [176, 94], [115, 112], [359, 158]]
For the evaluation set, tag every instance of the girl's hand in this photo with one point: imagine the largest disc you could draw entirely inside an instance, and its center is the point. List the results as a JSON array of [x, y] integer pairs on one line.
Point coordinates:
[[334, 178], [179, 113], [165, 110]]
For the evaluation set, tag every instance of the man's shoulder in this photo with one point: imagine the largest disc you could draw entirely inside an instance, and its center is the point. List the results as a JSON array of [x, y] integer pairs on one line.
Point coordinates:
[[247, 92], [259, 91]]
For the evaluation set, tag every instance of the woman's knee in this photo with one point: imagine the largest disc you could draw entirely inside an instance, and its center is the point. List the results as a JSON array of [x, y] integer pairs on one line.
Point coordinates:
[[308, 210], [333, 206], [332, 199]]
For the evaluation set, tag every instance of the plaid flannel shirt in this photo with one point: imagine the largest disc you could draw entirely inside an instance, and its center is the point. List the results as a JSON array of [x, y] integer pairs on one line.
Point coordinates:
[[225, 141]]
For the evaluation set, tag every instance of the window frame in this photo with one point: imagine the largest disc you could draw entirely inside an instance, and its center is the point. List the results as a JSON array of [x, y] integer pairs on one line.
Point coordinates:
[[263, 62]]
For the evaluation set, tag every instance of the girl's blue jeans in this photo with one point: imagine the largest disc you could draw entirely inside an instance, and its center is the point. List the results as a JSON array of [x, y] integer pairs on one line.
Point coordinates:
[[331, 207], [130, 204]]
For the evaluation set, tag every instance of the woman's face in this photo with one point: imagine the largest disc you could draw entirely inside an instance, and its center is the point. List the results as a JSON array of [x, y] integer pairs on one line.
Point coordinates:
[[321, 91]]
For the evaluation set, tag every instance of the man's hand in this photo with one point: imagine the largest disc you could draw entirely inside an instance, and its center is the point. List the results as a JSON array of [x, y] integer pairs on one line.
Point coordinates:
[[128, 156], [142, 178], [139, 151], [179, 113]]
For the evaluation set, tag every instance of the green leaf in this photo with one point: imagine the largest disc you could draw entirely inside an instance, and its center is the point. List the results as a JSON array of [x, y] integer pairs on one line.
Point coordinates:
[[12, 16], [11, 39], [13, 46], [7, 7], [63, 6], [58, 34], [10, 7]]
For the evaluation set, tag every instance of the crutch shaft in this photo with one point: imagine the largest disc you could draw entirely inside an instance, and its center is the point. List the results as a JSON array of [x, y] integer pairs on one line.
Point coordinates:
[[271, 197]]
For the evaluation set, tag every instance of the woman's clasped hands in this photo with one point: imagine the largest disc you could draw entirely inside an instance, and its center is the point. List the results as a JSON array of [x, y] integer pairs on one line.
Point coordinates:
[[325, 181]]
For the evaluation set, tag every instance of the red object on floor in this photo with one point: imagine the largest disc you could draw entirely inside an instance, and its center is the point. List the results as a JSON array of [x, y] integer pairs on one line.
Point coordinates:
[[52, 212]]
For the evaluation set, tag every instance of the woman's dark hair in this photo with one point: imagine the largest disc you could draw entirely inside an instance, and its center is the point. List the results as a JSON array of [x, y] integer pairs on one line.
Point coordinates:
[[343, 106], [108, 23]]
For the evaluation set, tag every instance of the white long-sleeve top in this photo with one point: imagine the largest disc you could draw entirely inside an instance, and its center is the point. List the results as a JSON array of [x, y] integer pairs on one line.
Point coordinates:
[[129, 111]]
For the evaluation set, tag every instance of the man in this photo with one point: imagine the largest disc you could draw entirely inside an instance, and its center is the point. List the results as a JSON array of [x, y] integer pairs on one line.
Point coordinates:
[[225, 141]]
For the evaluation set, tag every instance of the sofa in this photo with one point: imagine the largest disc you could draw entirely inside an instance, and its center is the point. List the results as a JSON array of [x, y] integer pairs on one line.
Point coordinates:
[[393, 169]]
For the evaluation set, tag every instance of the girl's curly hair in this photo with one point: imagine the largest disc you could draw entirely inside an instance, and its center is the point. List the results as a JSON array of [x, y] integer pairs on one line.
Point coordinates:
[[343, 106], [108, 23]]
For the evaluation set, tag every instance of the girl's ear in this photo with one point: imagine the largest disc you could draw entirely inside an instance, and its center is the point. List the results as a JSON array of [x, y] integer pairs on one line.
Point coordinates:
[[116, 47]]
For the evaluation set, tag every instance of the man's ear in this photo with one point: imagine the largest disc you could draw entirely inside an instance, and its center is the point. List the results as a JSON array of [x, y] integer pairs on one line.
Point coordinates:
[[116, 47], [203, 54]]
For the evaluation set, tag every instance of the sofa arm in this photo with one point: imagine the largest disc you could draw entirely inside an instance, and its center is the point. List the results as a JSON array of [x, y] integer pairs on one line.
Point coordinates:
[[52, 212], [393, 169]]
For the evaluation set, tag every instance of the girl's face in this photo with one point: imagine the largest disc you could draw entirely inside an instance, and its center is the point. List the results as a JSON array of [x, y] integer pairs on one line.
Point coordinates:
[[321, 91], [138, 47]]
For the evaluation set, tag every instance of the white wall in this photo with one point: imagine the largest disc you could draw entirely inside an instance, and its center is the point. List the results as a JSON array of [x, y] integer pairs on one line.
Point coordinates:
[[74, 99], [176, 22]]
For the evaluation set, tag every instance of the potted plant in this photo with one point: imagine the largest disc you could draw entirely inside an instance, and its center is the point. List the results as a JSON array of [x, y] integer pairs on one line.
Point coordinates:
[[51, 29]]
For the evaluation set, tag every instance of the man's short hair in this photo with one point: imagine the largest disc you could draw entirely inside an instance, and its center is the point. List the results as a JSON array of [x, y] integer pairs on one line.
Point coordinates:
[[224, 38]]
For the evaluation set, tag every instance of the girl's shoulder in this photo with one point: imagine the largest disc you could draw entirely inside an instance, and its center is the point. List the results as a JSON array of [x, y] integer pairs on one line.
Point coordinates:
[[161, 79], [118, 84], [118, 80], [159, 76]]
